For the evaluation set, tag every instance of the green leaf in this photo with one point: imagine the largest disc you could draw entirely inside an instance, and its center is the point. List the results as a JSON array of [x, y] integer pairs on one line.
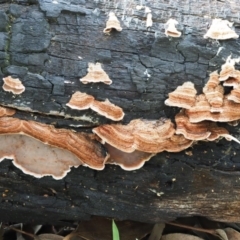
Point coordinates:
[[115, 231]]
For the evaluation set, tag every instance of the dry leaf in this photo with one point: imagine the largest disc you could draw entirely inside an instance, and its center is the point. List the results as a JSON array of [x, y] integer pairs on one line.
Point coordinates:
[[156, 233], [48, 237], [221, 234], [180, 236], [232, 234]]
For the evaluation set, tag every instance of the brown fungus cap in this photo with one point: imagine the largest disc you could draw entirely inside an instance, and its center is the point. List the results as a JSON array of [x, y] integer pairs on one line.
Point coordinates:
[[35, 158], [184, 96], [201, 112], [81, 101], [88, 151], [96, 74], [6, 111], [170, 28], [13, 85], [220, 30], [234, 95], [112, 23], [108, 110], [127, 161], [143, 135]]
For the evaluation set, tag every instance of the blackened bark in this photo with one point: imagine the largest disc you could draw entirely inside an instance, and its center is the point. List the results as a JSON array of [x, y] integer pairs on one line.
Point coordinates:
[[48, 44]]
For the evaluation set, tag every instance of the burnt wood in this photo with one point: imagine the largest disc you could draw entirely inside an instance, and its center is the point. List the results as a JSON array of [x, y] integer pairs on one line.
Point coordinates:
[[48, 44]]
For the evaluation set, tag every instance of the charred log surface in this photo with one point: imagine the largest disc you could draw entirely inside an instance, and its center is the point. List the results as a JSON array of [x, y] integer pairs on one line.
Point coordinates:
[[48, 44]]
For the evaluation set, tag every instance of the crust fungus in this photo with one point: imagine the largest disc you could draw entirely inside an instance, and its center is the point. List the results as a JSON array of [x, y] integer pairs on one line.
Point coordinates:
[[170, 28], [221, 30], [184, 96], [35, 158], [96, 74], [127, 161], [13, 85], [214, 92], [112, 23], [81, 101], [6, 112], [87, 150]]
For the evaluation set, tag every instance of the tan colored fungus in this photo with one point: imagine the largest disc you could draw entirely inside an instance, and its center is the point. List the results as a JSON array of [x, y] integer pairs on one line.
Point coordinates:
[[81, 101], [184, 96], [214, 92], [170, 28], [6, 111], [112, 23], [36, 158], [96, 74], [234, 95], [87, 150], [13, 85], [108, 110], [228, 70], [201, 111], [205, 130], [221, 30], [127, 161]]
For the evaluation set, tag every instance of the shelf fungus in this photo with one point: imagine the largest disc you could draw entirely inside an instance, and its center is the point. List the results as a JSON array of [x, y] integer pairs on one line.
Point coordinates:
[[66, 144], [96, 74], [184, 96], [214, 92], [221, 30], [6, 111], [205, 130], [81, 101], [170, 29], [112, 23], [234, 95], [13, 85]]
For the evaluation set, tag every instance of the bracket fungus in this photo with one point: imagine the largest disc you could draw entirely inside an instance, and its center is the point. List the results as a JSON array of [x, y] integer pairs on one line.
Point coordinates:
[[81, 101], [88, 151], [96, 74], [35, 158], [184, 96], [170, 28], [13, 85], [221, 30], [112, 23], [234, 95], [6, 111]]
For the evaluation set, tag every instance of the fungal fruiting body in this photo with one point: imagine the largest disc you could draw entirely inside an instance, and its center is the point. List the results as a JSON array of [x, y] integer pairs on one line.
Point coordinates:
[[96, 74], [137, 142], [112, 23], [4, 112], [81, 101], [170, 29], [221, 30], [13, 85], [88, 151]]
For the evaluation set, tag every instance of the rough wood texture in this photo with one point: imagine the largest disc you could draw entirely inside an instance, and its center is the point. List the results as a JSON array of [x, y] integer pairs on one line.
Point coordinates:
[[48, 44]]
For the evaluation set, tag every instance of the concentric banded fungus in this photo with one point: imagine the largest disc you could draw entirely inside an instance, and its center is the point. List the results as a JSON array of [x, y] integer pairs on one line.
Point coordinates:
[[127, 161], [184, 96], [221, 30], [88, 151], [170, 28], [228, 70], [108, 110], [234, 95], [201, 111], [96, 74], [112, 23], [205, 130], [214, 92], [36, 158], [6, 112], [81, 101], [13, 85]]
